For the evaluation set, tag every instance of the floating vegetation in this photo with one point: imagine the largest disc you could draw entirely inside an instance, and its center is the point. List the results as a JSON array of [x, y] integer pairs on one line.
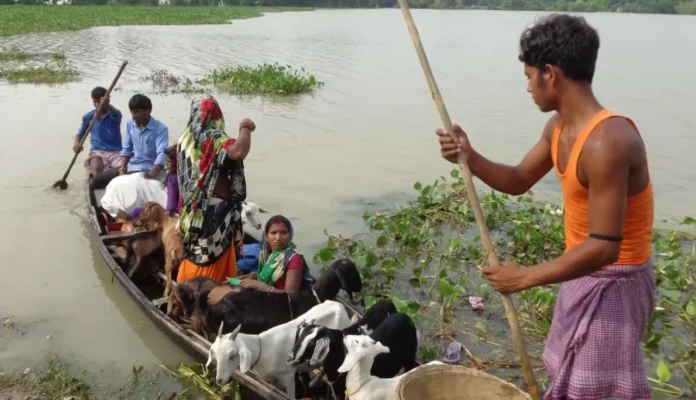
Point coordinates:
[[14, 54], [51, 72], [49, 75], [21, 19], [266, 78], [164, 82], [424, 256], [263, 79], [197, 377]]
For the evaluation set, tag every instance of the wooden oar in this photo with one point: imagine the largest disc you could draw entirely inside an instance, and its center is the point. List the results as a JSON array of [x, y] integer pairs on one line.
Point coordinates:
[[474, 202], [63, 184]]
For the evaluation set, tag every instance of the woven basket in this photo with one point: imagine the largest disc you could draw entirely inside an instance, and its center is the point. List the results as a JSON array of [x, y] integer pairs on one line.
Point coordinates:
[[452, 382]]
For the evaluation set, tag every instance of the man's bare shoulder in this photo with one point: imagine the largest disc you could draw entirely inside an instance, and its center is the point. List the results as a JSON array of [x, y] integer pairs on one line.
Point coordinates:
[[614, 137], [550, 126]]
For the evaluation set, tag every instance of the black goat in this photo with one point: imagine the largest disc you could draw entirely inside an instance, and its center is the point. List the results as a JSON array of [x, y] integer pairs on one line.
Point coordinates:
[[320, 346], [373, 317], [257, 311]]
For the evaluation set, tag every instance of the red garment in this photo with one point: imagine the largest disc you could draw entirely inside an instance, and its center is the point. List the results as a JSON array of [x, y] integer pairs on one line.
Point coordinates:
[[294, 264]]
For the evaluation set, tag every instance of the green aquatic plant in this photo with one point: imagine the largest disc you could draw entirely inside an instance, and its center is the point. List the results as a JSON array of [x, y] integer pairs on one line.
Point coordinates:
[[425, 257], [53, 70], [266, 78], [14, 54], [197, 377], [263, 79], [47, 74]]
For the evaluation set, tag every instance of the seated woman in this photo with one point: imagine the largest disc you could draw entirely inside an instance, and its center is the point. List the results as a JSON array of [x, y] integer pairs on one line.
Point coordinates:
[[283, 270]]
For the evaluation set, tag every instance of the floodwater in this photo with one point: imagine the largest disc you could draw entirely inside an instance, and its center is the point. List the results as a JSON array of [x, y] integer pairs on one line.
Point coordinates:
[[321, 159]]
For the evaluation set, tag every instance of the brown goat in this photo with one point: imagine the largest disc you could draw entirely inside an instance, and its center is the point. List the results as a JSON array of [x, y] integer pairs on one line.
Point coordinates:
[[162, 234], [182, 300]]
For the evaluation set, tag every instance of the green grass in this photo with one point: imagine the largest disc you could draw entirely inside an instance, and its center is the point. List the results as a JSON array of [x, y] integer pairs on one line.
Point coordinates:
[[19, 19]]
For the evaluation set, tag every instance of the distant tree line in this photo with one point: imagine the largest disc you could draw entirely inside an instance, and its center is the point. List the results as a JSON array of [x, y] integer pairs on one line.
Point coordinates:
[[630, 6]]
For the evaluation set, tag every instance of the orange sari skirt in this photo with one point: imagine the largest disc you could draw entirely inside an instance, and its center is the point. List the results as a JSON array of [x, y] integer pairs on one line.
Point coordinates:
[[220, 270]]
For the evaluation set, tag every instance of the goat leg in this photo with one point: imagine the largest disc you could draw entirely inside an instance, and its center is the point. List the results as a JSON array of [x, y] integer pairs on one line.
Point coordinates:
[[168, 267], [135, 267], [315, 381]]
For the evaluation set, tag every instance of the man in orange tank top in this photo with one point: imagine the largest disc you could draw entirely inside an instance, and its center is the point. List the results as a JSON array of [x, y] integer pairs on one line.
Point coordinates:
[[607, 293]]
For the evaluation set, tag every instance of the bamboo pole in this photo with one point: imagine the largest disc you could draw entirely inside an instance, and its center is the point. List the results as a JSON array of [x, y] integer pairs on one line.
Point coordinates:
[[493, 260]]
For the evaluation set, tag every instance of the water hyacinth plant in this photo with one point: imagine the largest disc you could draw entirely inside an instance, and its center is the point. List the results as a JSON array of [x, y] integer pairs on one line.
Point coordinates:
[[19, 66], [263, 79], [266, 78], [424, 256]]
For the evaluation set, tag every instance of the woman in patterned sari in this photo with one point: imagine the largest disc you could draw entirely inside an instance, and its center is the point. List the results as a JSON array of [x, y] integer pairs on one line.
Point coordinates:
[[212, 188]]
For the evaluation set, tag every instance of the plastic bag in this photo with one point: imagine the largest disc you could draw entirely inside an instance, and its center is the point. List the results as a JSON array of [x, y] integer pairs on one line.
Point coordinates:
[[127, 192]]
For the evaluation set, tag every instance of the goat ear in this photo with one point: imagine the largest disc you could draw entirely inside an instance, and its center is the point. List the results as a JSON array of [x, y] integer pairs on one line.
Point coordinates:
[[348, 363], [222, 323], [321, 350], [262, 211], [244, 358], [236, 331], [340, 272]]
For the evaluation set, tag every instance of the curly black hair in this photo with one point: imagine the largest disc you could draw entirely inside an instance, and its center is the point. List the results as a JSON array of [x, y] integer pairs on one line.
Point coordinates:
[[565, 41]]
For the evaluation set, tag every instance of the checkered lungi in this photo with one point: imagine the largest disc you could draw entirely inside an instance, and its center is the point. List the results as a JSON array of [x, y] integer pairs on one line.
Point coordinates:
[[593, 350]]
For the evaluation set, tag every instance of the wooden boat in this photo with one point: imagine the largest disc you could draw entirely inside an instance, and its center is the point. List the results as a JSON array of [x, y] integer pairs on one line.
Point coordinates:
[[147, 296]]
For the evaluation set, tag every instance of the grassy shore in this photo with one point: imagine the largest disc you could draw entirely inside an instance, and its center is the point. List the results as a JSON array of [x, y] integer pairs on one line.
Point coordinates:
[[17, 20], [59, 380]]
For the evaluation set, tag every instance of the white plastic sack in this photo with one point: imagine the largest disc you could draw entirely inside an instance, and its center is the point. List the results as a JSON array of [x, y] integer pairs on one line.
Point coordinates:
[[128, 192]]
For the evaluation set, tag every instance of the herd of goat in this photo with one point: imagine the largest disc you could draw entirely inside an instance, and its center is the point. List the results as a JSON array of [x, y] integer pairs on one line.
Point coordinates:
[[359, 360], [285, 337]]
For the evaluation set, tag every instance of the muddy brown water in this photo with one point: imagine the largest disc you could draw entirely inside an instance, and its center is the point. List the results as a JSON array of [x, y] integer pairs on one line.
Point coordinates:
[[321, 159]]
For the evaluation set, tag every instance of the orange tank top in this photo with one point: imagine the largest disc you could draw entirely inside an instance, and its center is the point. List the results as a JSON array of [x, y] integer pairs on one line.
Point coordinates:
[[638, 222]]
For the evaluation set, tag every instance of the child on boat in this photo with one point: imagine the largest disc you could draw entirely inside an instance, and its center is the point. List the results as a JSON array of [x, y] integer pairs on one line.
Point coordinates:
[[171, 184]]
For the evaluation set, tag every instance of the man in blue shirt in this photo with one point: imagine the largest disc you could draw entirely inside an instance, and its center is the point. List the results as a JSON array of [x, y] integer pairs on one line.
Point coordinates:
[[145, 141], [105, 135]]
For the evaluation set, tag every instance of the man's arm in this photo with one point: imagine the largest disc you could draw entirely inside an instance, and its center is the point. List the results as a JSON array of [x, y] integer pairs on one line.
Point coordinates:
[[608, 153], [161, 143], [240, 148], [80, 133], [127, 148], [514, 180], [115, 111]]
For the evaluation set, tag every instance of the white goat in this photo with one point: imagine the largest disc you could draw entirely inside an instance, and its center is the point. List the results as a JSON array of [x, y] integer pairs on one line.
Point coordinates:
[[250, 214], [360, 385], [266, 353]]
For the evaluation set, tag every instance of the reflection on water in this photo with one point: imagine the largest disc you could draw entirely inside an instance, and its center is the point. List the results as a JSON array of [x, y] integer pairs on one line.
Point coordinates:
[[367, 133]]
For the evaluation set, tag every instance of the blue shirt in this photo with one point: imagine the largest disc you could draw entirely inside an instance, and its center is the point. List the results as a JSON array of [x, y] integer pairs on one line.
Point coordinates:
[[105, 134], [146, 146]]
